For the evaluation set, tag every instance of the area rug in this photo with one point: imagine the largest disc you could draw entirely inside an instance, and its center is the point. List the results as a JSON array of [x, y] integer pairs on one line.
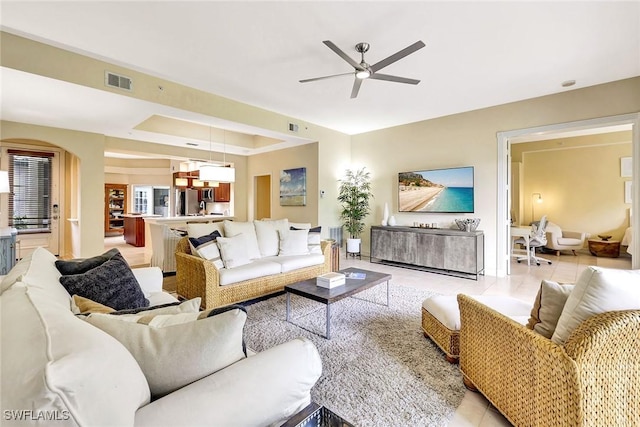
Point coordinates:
[[378, 369]]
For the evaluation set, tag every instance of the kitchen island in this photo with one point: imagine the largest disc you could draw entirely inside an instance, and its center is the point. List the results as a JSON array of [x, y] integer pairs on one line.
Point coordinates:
[[134, 228], [181, 221]]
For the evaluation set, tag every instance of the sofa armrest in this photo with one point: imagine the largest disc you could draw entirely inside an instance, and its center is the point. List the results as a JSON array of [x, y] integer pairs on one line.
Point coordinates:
[[195, 276], [149, 278], [605, 348], [257, 391], [530, 379], [325, 246]]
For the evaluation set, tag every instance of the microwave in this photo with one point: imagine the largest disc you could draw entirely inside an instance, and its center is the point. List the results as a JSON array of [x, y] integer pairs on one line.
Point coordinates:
[[207, 194]]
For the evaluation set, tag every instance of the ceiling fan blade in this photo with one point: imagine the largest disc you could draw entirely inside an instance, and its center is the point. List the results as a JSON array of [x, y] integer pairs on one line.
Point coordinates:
[[377, 76], [326, 77], [397, 56], [356, 87], [342, 55]]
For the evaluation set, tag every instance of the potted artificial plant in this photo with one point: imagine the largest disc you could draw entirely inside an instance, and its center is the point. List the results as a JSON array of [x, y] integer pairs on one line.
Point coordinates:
[[354, 195]]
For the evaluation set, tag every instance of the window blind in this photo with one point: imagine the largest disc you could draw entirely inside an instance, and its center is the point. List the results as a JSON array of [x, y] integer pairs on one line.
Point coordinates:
[[30, 183]]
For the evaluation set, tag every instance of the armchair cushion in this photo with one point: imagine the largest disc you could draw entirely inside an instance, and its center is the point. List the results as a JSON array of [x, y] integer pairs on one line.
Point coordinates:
[[548, 306], [174, 350], [598, 290], [559, 239]]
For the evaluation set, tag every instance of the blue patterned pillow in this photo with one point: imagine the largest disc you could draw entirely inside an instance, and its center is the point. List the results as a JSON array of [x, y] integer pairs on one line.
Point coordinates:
[[207, 247], [112, 284]]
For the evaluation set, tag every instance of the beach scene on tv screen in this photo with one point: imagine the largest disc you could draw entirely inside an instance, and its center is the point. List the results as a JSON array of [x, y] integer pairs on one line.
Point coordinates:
[[439, 190]]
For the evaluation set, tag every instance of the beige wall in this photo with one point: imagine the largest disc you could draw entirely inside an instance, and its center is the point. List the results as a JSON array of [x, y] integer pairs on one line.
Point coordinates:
[[85, 238], [579, 179], [273, 163], [470, 139]]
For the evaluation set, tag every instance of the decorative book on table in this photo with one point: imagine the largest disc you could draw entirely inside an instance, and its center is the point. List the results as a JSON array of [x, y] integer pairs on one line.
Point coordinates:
[[330, 280]]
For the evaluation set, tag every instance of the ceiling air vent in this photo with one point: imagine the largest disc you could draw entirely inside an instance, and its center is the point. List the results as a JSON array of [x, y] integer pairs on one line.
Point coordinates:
[[117, 81]]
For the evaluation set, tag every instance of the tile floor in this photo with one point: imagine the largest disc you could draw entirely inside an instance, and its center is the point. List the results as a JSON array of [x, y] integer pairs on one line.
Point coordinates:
[[523, 283]]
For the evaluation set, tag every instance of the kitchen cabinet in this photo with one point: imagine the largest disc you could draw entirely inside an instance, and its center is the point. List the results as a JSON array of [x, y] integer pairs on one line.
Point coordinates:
[[222, 193], [115, 206], [134, 230]]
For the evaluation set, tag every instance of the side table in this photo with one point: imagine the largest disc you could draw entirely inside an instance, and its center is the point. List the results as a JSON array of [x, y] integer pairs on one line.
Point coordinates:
[[335, 256], [604, 248]]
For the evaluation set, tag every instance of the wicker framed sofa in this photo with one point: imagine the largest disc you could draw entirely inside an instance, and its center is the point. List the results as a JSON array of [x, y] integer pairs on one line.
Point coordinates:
[[577, 366], [276, 253]]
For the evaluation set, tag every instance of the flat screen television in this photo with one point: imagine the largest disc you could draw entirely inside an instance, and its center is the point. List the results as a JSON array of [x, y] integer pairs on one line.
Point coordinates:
[[436, 190]]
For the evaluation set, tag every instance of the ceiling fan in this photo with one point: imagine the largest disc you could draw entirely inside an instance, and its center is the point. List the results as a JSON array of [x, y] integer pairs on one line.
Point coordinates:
[[365, 71]]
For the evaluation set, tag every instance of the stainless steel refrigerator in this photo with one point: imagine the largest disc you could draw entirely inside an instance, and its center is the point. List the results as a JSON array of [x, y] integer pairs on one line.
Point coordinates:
[[187, 202]]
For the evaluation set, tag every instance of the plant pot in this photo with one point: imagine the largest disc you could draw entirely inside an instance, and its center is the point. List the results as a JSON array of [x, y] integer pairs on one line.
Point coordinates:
[[353, 246]]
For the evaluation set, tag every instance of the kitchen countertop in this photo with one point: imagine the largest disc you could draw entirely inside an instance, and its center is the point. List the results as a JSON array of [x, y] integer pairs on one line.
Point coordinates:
[[177, 219]]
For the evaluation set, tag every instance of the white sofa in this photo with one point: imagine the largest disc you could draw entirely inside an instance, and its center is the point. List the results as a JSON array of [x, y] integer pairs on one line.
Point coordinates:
[[271, 256], [59, 369]]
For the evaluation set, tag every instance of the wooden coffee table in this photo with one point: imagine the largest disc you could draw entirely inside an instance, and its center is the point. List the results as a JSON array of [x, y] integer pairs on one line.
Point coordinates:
[[309, 289]]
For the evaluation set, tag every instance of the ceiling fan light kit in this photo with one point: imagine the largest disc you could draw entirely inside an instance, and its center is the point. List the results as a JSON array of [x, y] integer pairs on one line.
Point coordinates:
[[364, 71]]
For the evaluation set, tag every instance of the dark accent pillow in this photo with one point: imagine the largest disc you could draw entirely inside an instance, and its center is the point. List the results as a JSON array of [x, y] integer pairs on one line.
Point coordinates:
[[197, 241], [317, 229], [80, 266], [112, 284]]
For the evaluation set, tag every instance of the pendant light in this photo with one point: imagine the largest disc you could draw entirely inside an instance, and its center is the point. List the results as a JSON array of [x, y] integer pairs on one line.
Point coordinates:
[[211, 172]]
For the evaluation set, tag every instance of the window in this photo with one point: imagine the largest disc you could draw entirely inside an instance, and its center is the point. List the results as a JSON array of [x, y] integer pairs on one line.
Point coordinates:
[[30, 198]]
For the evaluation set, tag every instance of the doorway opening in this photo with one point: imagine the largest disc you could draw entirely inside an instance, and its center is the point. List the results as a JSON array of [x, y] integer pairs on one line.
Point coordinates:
[[504, 208], [262, 197]]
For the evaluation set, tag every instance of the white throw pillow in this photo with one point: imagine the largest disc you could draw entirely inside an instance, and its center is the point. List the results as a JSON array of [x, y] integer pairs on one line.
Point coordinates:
[[598, 290], [202, 229], [314, 239], [268, 237], [233, 228], [233, 251], [294, 242], [174, 350]]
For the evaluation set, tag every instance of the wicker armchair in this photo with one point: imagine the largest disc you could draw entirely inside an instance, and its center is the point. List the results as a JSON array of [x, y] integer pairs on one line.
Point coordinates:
[[593, 380], [196, 277]]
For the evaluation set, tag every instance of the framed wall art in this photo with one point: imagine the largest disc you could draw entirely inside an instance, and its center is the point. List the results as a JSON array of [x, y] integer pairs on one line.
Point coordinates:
[[293, 187]]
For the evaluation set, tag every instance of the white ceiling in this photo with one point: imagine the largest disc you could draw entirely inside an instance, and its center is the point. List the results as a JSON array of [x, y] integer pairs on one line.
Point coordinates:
[[477, 54]]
